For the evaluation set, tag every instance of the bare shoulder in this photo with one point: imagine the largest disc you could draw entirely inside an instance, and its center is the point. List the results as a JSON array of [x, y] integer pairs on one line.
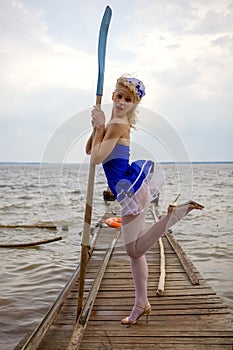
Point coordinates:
[[117, 131]]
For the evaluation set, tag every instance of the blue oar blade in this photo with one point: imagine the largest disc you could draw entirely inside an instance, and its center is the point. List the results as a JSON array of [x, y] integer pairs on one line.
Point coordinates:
[[102, 49]]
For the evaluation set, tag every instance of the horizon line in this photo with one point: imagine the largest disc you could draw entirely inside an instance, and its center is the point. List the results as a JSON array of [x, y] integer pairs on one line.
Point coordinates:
[[162, 162]]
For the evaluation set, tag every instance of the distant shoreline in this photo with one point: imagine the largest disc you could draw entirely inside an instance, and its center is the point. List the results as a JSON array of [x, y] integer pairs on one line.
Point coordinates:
[[164, 162]]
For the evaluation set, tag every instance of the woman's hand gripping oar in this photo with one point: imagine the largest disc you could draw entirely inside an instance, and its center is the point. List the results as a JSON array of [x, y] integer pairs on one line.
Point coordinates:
[[90, 187]]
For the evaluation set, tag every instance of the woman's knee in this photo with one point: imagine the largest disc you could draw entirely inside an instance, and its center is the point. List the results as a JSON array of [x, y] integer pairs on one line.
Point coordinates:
[[132, 252]]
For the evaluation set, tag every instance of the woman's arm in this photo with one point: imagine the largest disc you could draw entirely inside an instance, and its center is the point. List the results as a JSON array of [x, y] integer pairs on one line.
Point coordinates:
[[104, 141], [89, 143]]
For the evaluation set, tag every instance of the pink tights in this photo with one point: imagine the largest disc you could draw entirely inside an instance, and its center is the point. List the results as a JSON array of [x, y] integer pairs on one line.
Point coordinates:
[[137, 241]]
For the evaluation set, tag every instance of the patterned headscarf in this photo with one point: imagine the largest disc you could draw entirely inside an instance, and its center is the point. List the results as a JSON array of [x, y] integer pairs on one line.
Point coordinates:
[[134, 85], [139, 86]]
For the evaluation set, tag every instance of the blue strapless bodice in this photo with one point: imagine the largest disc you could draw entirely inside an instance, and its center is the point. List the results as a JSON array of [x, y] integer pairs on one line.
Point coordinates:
[[125, 179]]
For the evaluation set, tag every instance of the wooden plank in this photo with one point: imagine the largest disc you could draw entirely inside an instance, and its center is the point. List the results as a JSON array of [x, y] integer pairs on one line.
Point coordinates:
[[31, 244], [157, 326], [167, 333], [161, 303], [108, 346], [183, 259], [175, 292], [49, 226], [157, 340]]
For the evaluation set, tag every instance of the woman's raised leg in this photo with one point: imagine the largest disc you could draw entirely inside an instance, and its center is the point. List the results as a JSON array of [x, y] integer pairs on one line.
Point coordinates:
[[138, 240]]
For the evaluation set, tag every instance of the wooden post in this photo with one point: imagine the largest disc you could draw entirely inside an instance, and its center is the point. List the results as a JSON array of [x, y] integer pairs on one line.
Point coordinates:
[[86, 235], [162, 277], [160, 289]]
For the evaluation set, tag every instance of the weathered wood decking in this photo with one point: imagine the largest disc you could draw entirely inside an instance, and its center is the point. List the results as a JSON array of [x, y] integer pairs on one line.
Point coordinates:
[[188, 316]]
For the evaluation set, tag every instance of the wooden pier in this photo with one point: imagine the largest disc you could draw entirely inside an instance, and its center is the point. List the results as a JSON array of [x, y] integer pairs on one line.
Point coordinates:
[[189, 315]]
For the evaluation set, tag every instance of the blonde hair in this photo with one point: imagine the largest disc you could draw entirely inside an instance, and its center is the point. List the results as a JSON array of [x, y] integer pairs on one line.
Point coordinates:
[[127, 82]]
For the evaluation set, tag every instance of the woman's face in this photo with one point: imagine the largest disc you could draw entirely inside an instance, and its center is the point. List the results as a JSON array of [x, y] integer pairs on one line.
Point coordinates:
[[123, 102]]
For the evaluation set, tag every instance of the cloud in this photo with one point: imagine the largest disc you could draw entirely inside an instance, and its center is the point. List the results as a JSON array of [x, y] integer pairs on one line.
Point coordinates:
[[223, 41], [31, 59], [214, 23], [178, 44]]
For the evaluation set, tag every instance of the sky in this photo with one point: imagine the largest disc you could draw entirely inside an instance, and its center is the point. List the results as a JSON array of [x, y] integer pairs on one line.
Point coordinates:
[[181, 49]]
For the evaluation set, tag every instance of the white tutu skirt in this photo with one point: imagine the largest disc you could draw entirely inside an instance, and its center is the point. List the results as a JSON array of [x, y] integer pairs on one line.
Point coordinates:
[[140, 200]]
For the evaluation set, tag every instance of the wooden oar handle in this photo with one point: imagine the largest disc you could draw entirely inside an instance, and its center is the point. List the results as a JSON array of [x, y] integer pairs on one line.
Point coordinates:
[[98, 100]]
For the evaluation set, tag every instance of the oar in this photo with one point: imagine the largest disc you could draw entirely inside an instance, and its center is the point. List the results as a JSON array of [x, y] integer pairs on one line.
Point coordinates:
[[90, 186]]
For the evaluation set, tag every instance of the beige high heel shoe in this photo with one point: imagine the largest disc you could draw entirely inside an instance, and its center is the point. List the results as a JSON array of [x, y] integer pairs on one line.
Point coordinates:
[[173, 206], [146, 311]]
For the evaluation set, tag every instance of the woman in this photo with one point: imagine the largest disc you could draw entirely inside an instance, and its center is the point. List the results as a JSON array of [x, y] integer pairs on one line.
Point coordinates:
[[131, 184]]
